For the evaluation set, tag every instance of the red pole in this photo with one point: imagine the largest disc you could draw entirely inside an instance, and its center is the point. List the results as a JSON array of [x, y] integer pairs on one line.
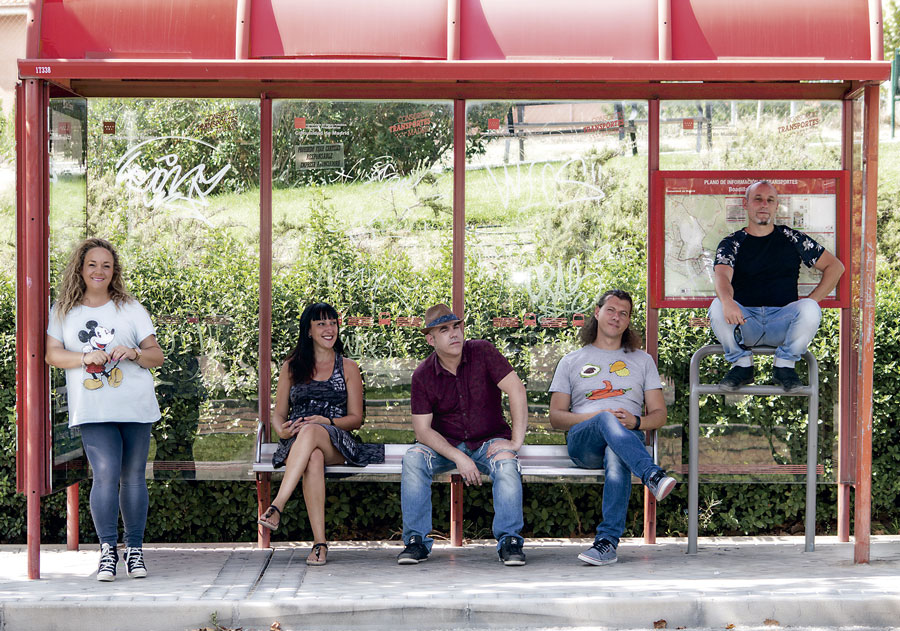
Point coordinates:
[[459, 204], [459, 271], [263, 486], [652, 325], [33, 239], [452, 29], [72, 517], [846, 471], [664, 17], [863, 505]]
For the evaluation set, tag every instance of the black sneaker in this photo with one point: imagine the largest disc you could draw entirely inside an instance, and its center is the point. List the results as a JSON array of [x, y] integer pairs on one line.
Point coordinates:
[[660, 484], [787, 378], [414, 552], [510, 551], [736, 377], [134, 563], [109, 558]]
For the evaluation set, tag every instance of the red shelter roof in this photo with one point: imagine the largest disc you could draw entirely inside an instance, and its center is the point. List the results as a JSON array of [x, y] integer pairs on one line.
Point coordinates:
[[273, 45]]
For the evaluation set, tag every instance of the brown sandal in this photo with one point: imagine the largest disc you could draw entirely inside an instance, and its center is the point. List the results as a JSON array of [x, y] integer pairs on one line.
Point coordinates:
[[267, 516], [320, 558]]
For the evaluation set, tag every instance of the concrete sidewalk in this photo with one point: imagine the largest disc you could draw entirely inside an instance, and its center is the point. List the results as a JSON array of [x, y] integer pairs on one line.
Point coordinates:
[[740, 581]]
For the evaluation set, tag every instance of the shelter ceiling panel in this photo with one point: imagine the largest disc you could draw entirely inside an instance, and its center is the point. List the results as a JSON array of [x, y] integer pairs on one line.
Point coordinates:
[[799, 29], [348, 28], [102, 29], [535, 29]]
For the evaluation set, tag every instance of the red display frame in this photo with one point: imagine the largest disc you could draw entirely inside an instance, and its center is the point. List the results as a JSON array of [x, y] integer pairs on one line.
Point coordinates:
[[656, 254]]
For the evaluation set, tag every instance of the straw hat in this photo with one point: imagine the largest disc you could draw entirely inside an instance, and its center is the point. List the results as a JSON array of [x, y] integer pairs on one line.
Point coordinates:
[[437, 315]]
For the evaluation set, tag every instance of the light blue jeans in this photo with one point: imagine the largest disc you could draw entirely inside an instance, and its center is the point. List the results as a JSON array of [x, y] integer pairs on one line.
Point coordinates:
[[789, 328], [422, 463], [118, 456], [602, 442]]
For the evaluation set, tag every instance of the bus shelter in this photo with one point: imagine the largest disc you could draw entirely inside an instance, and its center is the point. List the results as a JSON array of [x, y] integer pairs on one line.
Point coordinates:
[[484, 69]]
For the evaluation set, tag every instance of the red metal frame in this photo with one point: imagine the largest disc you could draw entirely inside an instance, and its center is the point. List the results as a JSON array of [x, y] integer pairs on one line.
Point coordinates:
[[656, 251], [264, 480], [863, 503], [711, 74]]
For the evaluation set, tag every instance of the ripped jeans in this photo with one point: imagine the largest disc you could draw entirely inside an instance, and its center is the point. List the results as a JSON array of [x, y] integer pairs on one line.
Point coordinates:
[[422, 463]]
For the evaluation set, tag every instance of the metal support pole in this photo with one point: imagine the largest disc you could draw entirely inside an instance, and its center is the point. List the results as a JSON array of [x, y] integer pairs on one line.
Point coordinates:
[[652, 324], [456, 510], [862, 520], [32, 241], [72, 517], [263, 484], [459, 204]]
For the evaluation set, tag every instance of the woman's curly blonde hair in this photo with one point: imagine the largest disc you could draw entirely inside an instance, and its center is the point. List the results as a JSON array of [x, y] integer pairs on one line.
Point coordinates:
[[72, 287]]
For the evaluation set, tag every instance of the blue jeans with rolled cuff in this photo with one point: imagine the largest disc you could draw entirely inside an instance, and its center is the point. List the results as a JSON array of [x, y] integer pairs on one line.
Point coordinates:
[[602, 442], [789, 328], [421, 463]]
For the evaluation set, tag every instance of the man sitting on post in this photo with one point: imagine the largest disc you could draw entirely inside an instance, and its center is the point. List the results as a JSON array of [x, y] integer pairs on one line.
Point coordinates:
[[603, 394], [458, 419], [756, 304]]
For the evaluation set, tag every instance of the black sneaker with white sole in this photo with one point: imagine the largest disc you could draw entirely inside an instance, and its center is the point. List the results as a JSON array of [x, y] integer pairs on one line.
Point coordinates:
[[109, 558], [510, 551], [134, 563], [660, 484], [414, 551]]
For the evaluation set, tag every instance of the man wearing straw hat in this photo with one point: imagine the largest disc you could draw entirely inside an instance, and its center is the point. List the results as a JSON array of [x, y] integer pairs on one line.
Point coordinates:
[[459, 423]]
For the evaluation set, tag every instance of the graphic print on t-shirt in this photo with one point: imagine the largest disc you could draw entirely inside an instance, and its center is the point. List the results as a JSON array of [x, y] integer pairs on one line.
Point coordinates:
[[98, 338], [607, 391]]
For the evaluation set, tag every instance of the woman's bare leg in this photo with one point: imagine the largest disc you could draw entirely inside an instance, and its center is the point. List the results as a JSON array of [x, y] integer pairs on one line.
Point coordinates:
[[310, 438], [314, 494]]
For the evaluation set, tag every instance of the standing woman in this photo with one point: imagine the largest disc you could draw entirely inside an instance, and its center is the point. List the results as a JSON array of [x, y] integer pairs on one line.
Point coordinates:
[[318, 402], [105, 341]]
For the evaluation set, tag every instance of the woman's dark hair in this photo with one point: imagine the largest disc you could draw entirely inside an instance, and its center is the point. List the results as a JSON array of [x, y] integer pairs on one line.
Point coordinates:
[[588, 333], [302, 360]]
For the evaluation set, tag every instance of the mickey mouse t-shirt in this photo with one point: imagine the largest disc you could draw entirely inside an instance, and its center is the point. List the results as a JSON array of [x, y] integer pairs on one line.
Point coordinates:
[[120, 391]]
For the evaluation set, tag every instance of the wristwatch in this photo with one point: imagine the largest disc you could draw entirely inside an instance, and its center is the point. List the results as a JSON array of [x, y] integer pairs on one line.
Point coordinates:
[[637, 422], [137, 349]]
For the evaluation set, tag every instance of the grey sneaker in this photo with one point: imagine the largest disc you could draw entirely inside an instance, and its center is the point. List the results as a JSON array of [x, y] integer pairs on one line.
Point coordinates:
[[510, 552], [660, 484], [787, 378], [601, 553], [134, 563], [109, 558], [736, 377], [414, 552]]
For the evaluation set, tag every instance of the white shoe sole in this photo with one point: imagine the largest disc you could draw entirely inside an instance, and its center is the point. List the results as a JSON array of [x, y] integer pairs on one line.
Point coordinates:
[[137, 574], [665, 488], [411, 561], [106, 577], [591, 561]]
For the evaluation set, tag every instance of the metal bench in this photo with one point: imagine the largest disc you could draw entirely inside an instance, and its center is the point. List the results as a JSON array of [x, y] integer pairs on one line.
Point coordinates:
[[811, 391], [539, 463]]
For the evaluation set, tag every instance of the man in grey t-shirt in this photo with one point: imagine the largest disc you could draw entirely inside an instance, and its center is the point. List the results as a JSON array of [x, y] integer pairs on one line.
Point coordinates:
[[604, 393]]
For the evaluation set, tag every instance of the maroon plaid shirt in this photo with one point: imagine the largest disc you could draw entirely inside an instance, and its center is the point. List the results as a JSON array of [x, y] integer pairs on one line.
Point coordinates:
[[466, 406]]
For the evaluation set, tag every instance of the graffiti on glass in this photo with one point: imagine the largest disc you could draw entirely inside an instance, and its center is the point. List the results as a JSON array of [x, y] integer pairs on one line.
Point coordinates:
[[164, 181]]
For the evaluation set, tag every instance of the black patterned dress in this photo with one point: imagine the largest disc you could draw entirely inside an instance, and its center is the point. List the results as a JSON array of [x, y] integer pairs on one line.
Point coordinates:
[[329, 399]]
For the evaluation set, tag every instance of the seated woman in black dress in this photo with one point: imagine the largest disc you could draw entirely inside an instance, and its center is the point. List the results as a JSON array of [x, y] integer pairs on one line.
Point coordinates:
[[318, 402]]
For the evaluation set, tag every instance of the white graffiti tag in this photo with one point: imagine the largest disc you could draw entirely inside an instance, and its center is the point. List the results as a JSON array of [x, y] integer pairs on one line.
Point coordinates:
[[164, 182]]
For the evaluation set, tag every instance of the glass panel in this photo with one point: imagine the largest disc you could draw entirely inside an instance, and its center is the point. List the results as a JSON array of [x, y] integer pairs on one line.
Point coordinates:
[[549, 227], [67, 162], [362, 216], [174, 183], [714, 135]]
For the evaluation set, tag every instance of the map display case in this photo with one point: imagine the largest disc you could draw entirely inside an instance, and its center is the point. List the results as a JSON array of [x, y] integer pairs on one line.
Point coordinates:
[[694, 210]]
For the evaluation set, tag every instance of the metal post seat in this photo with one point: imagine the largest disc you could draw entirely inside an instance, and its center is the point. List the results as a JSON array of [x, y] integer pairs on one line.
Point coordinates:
[[811, 391]]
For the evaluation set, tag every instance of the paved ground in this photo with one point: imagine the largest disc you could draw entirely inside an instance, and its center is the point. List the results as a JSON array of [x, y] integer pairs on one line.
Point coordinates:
[[749, 582]]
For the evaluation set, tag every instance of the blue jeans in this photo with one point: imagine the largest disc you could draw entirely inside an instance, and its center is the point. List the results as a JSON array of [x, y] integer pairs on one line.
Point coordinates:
[[422, 463], [118, 456], [602, 442], [789, 328]]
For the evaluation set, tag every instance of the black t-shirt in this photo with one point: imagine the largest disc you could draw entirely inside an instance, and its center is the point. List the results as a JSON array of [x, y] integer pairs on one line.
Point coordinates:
[[766, 268]]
